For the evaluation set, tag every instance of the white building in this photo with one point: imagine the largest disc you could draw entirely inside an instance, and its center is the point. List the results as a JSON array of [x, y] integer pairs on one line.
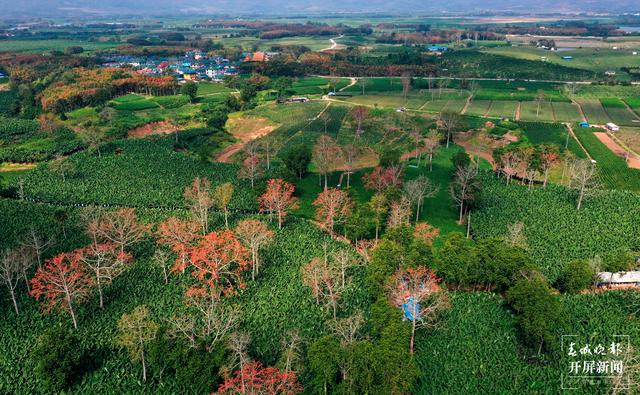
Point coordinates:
[[613, 127], [619, 279]]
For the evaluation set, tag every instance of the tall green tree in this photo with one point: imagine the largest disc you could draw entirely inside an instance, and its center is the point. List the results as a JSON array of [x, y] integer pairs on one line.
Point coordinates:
[[135, 331]]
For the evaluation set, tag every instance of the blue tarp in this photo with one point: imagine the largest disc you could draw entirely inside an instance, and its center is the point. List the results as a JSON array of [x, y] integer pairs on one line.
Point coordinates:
[[409, 307]]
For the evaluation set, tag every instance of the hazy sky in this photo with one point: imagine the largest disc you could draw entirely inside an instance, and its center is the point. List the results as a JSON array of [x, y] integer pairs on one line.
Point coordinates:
[[58, 8]]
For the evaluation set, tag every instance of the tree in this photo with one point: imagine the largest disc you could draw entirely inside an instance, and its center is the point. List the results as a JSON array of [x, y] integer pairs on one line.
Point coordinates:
[[509, 160], [10, 273], [425, 232], [190, 89], [450, 122], [251, 169], [576, 276], [548, 156], [515, 236], [257, 380], [108, 114], [333, 208], [359, 114], [255, 235], [266, 149], [207, 321], [325, 155], [464, 188], [324, 356], [218, 261], [406, 80], [62, 282], [217, 118], [379, 205], [121, 227], [93, 137], [297, 160], [278, 198], [36, 243], [222, 195], [538, 310], [161, 259], [540, 97], [178, 235], [583, 178], [418, 291], [417, 190], [106, 263], [61, 165], [325, 281], [431, 144], [350, 153], [48, 123], [347, 329], [135, 330], [57, 358], [399, 213], [291, 355], [199, 201], [381, 179]]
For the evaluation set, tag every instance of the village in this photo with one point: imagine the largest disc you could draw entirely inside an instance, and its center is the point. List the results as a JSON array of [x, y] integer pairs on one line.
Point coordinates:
[[195, 65]]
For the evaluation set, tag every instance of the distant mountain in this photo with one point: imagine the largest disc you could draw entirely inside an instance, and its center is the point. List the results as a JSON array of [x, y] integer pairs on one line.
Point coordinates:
[[70, 8]]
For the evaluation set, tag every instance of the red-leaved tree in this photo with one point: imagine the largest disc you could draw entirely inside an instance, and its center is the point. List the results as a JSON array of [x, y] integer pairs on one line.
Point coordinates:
[[255, 379], [62, 282], [179, 235], [382, 178], [218, 261], [278, 199], [333, 208]]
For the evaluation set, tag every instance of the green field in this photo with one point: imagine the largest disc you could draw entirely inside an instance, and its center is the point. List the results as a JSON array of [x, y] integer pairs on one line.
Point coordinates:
[[566, 112], [478, 107], [534, 111], [619, 113], [39, 46], [503, 109], [595, 60], [613, 169], [594, 111]]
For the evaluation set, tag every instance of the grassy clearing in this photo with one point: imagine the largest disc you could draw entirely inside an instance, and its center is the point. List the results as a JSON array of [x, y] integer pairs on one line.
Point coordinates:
[[212, 88], [438, 210]]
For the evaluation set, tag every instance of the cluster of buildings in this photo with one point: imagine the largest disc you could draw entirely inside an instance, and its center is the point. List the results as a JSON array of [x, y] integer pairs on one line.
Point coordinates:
[[193, 66]]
